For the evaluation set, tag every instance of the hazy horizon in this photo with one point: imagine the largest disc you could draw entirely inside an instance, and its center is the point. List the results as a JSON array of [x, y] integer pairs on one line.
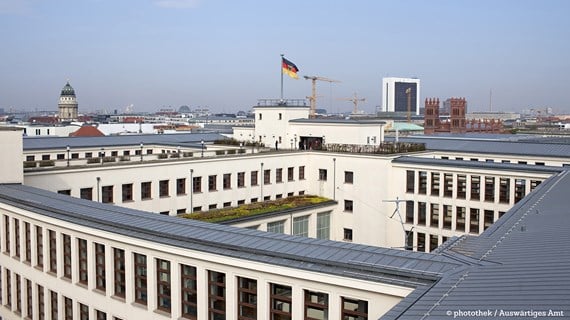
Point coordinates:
[[226, 54]]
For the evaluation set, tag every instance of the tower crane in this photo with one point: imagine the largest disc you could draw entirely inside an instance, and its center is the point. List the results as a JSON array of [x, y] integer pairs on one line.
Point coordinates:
[[354, 101], [313, 97]]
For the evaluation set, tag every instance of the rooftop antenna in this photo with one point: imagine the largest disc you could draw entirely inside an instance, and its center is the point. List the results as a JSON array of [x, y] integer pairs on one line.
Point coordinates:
[[397, 211]]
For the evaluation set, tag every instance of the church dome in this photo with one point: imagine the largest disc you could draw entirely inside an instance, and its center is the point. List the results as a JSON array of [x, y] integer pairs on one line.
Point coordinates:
[[67, 90]]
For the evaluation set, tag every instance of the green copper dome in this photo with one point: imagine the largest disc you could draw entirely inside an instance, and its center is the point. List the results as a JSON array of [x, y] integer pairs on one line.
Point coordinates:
[[67, 90]]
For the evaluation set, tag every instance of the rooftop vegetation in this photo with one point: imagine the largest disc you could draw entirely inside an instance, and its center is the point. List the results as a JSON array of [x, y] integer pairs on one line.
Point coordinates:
[[256, 208]]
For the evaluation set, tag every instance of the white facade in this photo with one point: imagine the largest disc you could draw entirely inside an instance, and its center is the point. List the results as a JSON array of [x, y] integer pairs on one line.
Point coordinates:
[[392, 97]]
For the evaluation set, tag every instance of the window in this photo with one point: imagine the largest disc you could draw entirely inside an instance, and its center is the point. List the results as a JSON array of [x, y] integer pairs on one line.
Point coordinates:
[[163, 188], [17, 237], [227, 204], [461, 186], [8, 289], [260, 116], [409, 212], [322, 174], [27, 243], [422, 213], [316, 305], [290, 174], [119, 272], [247, 298], [490, 189], [301, 172], [75, 156], [353, 309], [67, 256], [421, 242], [52, 251], [126, 152], [88, 155], [180, 186], [127, 192], [448, 185], [146, 192], [41, 302], [267, 176], [82, 260], [301, 226], [432, 242], [107, 194], [349, 177], [227, 181], [280, 305], [434, 215], [83, 312], [504, 190], [188, 287], [488, 219], [45, 156], [534, 184], [520, 189], [67, 308], [435, 184], [54, 307], [447, 216], [475, 187], [140, 278], [197, 184], [474, 220], [60, 156], [460, 215], [422, 182], [241, 179], [280, 117], [276, 227], [410, 181], [216, 295], [39, 247], [100, 278], [100, 315], [278, 175], [347, 234], [253, 178], [212, 183], [348, 205], [66, 192], [30, 158], [29, 297], [163, 285], [86, 193]]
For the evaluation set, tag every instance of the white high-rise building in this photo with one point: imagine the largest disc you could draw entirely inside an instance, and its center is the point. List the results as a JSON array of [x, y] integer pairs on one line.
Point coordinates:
[[394, 97]]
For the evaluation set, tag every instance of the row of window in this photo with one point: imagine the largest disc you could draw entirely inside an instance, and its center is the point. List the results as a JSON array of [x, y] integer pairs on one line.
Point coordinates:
[[424, 242], [88, 155], [315, 306], [300, 226], [472, 187], [536, 163], [348, 176]]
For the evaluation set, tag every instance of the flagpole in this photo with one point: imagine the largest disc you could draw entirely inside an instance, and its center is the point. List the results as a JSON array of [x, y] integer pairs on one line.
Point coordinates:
[[281, 64]]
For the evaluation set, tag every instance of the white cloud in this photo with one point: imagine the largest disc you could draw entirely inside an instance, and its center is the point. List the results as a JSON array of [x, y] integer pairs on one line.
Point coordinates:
[[177, 3]]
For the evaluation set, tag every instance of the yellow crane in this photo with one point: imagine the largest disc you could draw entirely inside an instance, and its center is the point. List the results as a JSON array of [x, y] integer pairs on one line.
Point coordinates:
[[313, 97], [355, 100]]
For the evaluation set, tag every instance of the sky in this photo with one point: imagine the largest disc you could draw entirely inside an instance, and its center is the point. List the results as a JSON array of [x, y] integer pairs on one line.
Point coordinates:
[[501, 55]]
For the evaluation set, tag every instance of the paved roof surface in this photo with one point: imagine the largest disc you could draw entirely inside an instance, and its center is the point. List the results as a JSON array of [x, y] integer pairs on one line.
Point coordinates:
[[521, 263], [182, 139], [404, 268]]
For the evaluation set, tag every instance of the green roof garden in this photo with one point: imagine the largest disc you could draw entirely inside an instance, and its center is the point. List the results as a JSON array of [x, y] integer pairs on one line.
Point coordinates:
[[258, 208]]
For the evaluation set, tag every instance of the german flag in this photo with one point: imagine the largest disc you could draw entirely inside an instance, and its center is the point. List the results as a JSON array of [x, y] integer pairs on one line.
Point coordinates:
[[289, 68]]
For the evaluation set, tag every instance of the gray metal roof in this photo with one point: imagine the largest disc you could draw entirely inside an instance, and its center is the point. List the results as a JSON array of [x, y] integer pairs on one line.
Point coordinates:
[[181, 139], [345, 259], [521, 263], [518, 147]]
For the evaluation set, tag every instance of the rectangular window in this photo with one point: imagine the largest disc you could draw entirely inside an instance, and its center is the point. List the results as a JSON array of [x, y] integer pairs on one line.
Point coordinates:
[[181, 186], [349, 177], [290, 174], [127, 190], [504, 190], [422, 213], [421, 242], [247, 298], [301, 172], [278, 175], [39, 247], [490, 189], [140, 278], [17, 237], [54, 306], [267, 176], [83, 312], [18, 293], [163, 286], [475, 187], [448, 185], [301, 226], [216, 295], [8, 289], [354, 309], [29, 297], [88, 155], [520, 189], [435, 184], [146, 192], [253, 181], [100, 278], [461, 186], [434, 215], [447, 216], [347, 234], [316, 305], [534, 184], [212, 183], [66, 192], [323, 225], [67, 308], [410, 181], [322, 174], [86, 193], [281, 301], [348, 205], [163, 188], [488, 219], [422, 185], [41, 302], [7, 234], [197, 184], [409, 212], [188, 288], [52, 251], [100, 315], [107, 194], [474, 220], [460, 216], [276, 227], [67, 256], [82, 260], [119, 272], [27, 243], [227, 181], [241, 179], [432, 242]]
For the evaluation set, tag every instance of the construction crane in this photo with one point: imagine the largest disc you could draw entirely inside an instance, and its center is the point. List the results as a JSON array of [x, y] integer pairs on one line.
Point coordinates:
[[354, 101], [313, 97]]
